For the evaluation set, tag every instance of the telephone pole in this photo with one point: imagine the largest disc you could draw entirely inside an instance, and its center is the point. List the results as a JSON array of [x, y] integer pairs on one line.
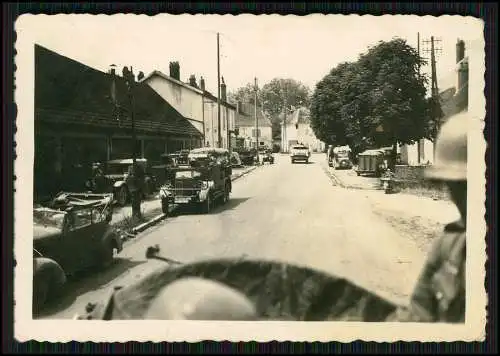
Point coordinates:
[[219, 135], [256, 120], [434, 86]]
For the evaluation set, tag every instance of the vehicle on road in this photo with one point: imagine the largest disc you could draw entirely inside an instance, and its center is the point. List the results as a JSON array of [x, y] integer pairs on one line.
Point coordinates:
[[205, 181], [300, 153], [268, 157], [76, 236], [248, 156], [114, 179], [372, 162], [341, 158], [309, 294], [236, 160], [102, 202], [181, 157], [49, 280]]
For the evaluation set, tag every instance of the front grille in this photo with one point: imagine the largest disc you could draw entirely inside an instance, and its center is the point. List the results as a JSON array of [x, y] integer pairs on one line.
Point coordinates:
[[186, 187]]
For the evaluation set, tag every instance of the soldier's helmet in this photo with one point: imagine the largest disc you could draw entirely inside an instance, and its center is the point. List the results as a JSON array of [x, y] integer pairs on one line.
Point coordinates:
[[194, 298], [450, 162]]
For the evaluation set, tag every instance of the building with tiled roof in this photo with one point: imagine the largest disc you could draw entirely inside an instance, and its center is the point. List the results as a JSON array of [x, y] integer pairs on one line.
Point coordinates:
[[246, 125], [82, 116]]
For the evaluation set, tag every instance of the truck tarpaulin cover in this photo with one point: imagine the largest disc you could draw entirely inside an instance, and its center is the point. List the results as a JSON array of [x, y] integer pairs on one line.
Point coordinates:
[[278, 290]]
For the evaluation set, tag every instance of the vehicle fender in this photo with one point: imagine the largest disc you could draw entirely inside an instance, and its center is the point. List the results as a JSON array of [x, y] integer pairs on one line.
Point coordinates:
[[118, 184], [203, 194], [112, 237], [48, 267]]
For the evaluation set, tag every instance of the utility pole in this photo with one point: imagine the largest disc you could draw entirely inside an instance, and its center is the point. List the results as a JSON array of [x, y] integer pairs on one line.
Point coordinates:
[[219, 135], [434, 86], [256, 120]]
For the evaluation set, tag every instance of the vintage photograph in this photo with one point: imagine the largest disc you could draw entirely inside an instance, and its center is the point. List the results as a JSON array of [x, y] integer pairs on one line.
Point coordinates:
[[187, 168]]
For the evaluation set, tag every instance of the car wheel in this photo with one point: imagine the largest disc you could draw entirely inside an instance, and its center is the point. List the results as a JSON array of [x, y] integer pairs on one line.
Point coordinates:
[[40, 293], [207, 205], [226, 194], [107, 255], [122, 196], [164, 206]]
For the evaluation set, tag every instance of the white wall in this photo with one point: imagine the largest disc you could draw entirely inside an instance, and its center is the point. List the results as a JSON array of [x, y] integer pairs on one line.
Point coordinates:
[[186, 101], [265, 135]]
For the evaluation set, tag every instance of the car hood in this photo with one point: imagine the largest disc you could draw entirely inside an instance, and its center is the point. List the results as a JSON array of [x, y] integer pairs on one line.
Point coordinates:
[[41, 232]]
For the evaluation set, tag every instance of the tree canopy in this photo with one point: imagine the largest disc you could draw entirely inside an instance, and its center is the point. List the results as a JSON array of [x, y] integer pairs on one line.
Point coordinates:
[[376, 101], [273, 97]]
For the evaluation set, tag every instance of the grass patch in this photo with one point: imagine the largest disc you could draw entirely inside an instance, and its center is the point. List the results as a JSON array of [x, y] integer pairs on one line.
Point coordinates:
[[128, 222]]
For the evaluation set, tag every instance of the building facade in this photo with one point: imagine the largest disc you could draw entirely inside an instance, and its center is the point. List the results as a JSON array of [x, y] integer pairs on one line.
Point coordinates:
[[83, 116], [247, 131], [296, 129], [453, 100], [198, 106]]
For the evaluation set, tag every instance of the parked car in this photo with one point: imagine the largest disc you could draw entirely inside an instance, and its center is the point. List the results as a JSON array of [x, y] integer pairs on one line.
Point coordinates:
[[205, 181], [372, 162], [114, 179], [235, 160], [341, 158], [49, 280], [77, 237], [181, 157], [268, 157], [102, 202], [300, 153], [248, 156]]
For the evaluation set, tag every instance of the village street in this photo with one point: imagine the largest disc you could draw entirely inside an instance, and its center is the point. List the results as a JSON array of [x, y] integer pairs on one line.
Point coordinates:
[[285, 211]]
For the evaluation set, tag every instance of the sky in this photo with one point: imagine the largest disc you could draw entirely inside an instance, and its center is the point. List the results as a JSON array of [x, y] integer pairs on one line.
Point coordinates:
[[304, 48]]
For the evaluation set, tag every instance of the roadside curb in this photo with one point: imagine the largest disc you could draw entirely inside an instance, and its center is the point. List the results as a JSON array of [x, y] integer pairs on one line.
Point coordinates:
[[334, 178], [251, 169]]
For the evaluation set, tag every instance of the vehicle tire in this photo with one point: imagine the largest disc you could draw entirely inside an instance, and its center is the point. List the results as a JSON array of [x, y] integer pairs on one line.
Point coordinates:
[[107, 255], [206, 206], [225, 198], [164, 206], [122, 196], [40, 293]]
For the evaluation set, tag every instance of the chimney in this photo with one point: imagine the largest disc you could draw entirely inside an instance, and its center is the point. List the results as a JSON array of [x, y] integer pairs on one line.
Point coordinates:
[[460, 50], [223, 96], [175, 71], [202, 84]]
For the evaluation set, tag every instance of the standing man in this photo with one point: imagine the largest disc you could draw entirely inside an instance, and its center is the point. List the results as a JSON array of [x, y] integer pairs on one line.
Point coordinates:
[[135, 183], [439, 295]]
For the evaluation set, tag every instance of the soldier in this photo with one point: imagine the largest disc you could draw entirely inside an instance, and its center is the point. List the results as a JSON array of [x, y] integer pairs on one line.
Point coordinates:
[[135, 180], [439, 295]]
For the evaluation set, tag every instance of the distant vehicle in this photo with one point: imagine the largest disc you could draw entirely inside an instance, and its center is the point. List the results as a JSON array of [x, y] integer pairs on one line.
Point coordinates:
[[341, 158], [372, 162], [248, 156], [115, 179], [235, 160], [268, 157], [205, 181], [181, 157], [77, 237], [48, 280], [300, 153]]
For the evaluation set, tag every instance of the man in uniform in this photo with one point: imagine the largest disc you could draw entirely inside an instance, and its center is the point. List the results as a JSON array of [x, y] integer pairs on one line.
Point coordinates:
[[439, 295], [135, 183]]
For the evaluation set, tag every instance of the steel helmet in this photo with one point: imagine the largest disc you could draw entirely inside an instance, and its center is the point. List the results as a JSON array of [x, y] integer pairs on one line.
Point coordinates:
[[450, 162], [195, 298]]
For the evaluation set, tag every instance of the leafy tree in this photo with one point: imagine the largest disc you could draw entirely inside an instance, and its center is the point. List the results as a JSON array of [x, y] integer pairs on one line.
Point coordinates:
[[378, 100], [274, 96]]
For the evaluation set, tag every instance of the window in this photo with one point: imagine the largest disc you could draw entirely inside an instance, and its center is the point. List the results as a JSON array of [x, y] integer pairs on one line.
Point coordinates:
[[253, 132]]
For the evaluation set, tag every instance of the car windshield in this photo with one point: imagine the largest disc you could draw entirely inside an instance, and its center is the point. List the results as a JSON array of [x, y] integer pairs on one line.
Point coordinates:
[[117, 168], [300, 148], [187, 174], [48, 217]]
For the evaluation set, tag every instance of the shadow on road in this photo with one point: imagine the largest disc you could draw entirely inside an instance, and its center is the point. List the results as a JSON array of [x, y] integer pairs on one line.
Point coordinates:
[[90, 280], [194, 210]]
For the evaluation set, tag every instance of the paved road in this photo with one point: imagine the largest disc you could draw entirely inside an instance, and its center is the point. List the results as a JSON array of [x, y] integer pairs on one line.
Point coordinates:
[[284, 211]]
